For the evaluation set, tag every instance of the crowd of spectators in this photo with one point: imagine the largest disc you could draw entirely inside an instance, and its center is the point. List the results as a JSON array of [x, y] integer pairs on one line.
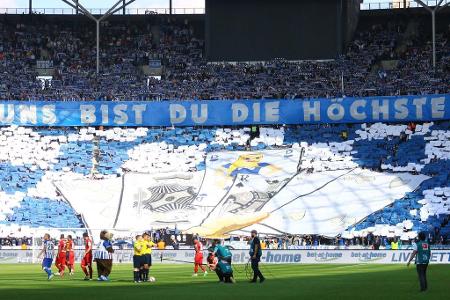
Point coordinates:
[[163, 237], [127, 46], [278, 243], [10, 241], [369, 242], [167, 238]]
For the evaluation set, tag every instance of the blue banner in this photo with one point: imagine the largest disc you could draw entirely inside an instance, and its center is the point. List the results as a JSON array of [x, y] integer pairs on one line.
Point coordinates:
[[225, 112]]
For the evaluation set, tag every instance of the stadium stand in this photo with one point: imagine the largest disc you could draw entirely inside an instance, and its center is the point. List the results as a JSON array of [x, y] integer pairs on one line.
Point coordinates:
[[391, 58]]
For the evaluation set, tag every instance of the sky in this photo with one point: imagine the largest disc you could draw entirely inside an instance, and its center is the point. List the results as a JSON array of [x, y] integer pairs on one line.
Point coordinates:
[[109, 3]]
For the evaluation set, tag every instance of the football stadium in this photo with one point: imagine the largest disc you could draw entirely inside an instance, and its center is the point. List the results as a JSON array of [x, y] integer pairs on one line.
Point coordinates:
[[224, 149]]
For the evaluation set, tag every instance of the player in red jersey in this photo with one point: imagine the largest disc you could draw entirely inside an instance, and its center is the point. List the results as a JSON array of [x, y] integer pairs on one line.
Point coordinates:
[[70, 255], [198, 259], [86, 263], [61, 257]]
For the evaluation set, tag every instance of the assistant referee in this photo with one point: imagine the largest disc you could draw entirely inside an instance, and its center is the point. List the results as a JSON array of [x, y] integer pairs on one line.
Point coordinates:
[[255, 257]]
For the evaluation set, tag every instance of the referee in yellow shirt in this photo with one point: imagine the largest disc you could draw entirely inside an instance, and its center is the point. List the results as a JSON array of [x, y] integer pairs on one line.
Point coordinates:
[[137, 258], [147, 245]]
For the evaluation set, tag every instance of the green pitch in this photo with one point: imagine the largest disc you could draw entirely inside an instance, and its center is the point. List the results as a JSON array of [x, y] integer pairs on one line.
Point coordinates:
[[28, 282]]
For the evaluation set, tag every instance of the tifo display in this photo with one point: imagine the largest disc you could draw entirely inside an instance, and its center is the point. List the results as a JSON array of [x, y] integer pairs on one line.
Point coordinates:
[[295, 180]]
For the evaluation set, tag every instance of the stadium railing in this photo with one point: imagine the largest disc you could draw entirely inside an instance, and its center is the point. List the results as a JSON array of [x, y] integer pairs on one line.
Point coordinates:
[[100, 11], [199, 10]]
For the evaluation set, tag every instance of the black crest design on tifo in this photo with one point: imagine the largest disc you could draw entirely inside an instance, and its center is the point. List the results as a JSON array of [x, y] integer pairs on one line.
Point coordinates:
[[165, 198]]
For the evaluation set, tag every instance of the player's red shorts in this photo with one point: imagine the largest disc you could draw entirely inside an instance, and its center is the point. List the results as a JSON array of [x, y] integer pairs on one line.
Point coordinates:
[[61, 259], [87, 260], [71, 258], [198, 258]]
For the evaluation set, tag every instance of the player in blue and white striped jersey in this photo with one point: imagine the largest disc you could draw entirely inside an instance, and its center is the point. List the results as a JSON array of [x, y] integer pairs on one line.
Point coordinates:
[[47, 254]]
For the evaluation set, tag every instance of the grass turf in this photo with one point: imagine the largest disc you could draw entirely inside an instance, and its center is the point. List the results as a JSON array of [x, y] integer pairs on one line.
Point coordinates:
[[28, 282]]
